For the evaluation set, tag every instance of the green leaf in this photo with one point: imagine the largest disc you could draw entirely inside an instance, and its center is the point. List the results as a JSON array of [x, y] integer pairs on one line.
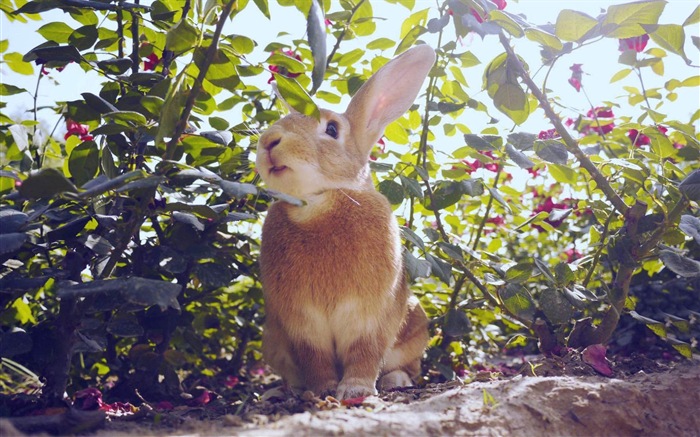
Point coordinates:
[[17, 64], [562, 174], [10, 90], [316, 31], [518, 301], [182, 37], [544, 38], [445, 193], [417, 19], [236, 189], [574, 25], [392, 191], [504, 20], [556, 307], [679, 264], [626, 20], [689, 225], [553, 151], [62, 54], [439, 268], [84, 162], [456, 324], [519, 273], [498, 198], [292, 65], [410, 39], [127, 118], [411, 236], [381, 44], [264, 8], [296, 96], [669, 36], [11, 242], [620, 75], [12, 220], [57, 31], [544, 268], [45, 184], [98, 103], [656, 327], [451, 250], [693, 18], [36, 7], [690, 186], [478, 143], [411, 187], [137, 291], [563, 273], [84, 37], [115, 66], [518, 157], [522, 140]]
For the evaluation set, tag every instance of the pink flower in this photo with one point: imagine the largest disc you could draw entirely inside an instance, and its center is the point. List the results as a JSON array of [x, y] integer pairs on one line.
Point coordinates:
[[328, 22], [572, 255], [498, 220], [231, 381], [548, 134], [151, 62], [600, 112], [576, 76], [548, 206], [283, 70], [45, 72], [535, 171], [500, 4], [637, 43], [638, 139], [81, 130], [381, 148]]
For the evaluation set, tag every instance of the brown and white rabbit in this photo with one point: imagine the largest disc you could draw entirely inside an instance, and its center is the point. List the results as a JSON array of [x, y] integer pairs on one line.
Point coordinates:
[[339, 313]]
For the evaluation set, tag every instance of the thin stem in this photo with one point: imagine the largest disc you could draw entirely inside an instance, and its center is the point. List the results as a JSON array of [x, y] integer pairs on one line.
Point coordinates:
[[135, 60], [197, 86], [37, 158], [342, 33], [599, 252], [570, 143], [488, 209]]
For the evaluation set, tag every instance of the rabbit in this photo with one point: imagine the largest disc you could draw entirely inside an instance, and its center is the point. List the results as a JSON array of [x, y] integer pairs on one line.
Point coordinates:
[[339, 312]]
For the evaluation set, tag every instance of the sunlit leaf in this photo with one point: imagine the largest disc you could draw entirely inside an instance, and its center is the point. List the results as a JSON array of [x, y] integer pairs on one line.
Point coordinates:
[[574, 26], [625, 21]]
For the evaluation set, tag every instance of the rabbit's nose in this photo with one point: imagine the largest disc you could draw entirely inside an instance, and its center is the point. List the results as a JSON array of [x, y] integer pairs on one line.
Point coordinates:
[[271, 143]]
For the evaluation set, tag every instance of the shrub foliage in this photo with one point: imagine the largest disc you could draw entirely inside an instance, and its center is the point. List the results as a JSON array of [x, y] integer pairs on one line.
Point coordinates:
[[129, 247]]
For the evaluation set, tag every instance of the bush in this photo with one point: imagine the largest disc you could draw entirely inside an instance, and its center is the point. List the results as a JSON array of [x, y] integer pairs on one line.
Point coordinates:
[[130, 246]]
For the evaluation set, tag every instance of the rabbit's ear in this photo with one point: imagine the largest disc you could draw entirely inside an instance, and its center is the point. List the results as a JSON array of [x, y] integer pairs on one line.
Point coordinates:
[[387, 95]]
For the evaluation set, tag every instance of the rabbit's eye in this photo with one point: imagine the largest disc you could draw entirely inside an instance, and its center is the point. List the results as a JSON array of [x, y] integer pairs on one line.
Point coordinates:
[[332, 129]]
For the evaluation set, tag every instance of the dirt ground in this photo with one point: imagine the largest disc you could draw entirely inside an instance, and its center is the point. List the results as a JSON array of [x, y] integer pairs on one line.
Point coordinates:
[[550, 397]]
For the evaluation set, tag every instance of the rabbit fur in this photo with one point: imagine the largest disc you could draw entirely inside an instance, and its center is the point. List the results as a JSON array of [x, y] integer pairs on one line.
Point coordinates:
[[339, 313]]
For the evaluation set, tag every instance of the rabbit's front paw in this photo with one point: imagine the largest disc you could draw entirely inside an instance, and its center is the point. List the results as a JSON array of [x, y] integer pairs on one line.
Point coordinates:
[[351, 388]]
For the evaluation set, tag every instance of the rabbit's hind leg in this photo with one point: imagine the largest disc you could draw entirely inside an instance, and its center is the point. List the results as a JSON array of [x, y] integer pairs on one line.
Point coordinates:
[[402, 363]]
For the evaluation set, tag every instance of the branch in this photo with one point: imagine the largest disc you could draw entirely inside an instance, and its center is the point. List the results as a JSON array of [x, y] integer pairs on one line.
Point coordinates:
[[570, 143], [197, 86], [342, 33]]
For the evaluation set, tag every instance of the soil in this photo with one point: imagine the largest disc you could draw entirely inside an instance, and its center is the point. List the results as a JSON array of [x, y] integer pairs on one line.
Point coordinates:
[[549, 396]]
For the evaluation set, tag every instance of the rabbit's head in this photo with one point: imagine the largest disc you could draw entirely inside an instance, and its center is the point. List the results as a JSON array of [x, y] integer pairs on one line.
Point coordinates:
[[302, 156]]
